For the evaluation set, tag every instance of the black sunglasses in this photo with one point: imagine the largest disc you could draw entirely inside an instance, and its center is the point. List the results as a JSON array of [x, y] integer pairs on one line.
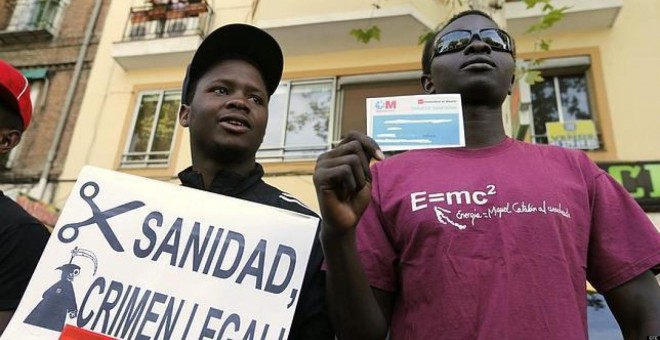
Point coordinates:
[[460, 39]]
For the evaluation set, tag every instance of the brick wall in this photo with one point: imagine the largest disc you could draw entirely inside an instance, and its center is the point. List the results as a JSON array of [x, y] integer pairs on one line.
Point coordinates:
[[58, 55]]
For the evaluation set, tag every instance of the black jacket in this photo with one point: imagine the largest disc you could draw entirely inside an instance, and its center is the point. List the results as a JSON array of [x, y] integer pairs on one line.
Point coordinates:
[[22, 240], [310, 320]]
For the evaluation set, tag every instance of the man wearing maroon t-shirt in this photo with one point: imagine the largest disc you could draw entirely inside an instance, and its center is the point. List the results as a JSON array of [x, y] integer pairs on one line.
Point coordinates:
[[491, 241]]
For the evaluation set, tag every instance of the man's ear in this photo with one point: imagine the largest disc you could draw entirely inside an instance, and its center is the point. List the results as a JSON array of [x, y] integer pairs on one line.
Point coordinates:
[[9, 138], [427, 84], [184, 115]]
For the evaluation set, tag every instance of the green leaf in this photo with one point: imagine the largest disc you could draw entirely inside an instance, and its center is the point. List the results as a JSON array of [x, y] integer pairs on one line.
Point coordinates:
[[375, 32], [544, 44], [424, 37], [552, 16], [532, 3], [365, 36], [533, 76], [533, 28], [361, 35]]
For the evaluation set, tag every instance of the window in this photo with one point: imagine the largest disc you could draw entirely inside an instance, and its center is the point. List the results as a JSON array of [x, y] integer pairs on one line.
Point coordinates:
[[354, 91], [152, 129], [300, 114], [307, 117], [29, 15], [561, 105]]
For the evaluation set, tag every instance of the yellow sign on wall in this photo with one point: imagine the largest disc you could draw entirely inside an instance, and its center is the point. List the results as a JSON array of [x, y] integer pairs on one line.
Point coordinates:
[[578, 134]]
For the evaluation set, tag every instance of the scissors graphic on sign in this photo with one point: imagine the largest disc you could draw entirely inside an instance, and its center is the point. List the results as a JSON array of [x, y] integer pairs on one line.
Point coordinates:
[[100, 218]]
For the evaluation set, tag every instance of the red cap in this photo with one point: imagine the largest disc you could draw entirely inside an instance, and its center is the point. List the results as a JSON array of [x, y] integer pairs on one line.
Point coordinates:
[[15, 91]]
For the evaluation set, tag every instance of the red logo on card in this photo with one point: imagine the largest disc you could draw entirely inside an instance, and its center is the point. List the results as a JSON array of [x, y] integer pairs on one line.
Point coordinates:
[[385, 105]]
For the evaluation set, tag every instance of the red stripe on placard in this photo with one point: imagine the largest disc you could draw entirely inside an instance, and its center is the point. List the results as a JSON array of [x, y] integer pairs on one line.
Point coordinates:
[[76, 333]]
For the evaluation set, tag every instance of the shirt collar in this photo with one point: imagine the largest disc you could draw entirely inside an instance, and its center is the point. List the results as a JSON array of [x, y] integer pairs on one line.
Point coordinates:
[[225, 182]]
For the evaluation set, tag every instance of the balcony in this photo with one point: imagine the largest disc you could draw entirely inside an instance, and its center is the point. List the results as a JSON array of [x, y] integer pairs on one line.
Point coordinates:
[[327, 29], [28, 21], [162, 35], [582, 15]]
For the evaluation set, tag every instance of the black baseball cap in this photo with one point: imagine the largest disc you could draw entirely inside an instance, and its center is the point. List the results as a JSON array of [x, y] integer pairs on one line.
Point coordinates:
[[237, 41]]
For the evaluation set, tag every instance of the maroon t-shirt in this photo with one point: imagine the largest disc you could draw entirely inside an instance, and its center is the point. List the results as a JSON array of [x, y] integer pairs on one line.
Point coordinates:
[[497, 243]]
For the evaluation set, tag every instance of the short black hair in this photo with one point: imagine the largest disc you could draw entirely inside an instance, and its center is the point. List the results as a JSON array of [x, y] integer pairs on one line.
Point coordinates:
[[427, 53], [9, 118]]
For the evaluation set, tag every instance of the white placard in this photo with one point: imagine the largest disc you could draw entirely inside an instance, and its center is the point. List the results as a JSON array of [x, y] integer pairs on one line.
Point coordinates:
[[134, 258]]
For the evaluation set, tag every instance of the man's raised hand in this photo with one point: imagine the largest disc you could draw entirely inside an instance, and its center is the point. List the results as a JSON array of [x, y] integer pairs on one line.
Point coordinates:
[[343, 181]]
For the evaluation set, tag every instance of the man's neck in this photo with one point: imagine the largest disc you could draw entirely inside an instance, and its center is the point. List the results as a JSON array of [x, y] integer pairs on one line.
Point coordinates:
[[483, 126]]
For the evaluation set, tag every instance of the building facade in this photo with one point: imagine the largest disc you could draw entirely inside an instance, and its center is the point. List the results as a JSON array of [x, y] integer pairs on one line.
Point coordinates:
[[597, 91], [599, 76], [53, 42]]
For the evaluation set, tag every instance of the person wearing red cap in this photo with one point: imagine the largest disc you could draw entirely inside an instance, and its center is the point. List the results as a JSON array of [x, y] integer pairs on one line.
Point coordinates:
[[22, 237], [225, 96]]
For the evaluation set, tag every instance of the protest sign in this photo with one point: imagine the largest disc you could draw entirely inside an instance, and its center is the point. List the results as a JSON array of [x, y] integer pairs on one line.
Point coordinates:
[[416, 122], [133, 258]]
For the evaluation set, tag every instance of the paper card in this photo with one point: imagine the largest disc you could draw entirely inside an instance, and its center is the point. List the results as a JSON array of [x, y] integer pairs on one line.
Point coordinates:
[[134, 258], [416, 122]]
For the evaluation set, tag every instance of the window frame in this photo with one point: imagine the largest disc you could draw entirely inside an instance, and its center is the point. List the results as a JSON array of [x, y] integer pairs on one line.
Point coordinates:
[[597, 97], [306, 167], [555, 68], [282, 148], [360, 79], [336, 114], [25, 15], [128, 135]]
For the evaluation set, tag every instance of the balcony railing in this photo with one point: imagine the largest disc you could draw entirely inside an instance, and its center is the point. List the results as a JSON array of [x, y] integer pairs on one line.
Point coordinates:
[[30, 20], [163, 21]]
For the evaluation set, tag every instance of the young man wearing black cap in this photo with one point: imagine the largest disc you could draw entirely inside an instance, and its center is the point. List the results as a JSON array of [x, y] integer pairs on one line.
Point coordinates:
[[494, 240], [22, 237], [225, 106]]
